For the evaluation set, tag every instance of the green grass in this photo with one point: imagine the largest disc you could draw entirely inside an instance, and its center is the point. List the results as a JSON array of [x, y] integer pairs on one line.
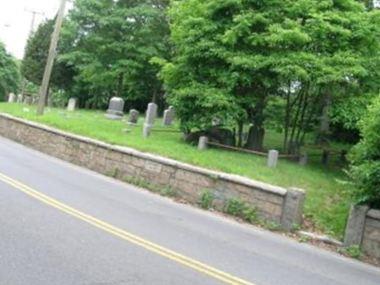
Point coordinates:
[[327, 200]]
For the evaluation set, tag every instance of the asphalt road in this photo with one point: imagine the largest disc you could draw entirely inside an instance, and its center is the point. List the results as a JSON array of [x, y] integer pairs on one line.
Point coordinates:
[[61, 224]]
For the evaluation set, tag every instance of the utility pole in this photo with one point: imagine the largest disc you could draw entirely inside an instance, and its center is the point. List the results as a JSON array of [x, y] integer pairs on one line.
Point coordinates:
[[51, 57], [33, 21]]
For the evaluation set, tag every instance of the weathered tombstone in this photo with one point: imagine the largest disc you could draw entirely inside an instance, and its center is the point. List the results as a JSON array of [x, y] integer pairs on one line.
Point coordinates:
[[146, 130], [28, 100], [272, 158], [116, 109], [133, 116], [11, 98], [71, 106], [202, 144], [151, 114], [169, 116], [303, 159], [20, 98]]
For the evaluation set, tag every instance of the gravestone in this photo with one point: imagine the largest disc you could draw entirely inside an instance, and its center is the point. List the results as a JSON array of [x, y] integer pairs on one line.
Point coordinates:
[[151, 114], [273, 158], [20, 98], [202, 144], [133, 116], [28, 100], [11, 98], [169, 116], [35, 100], [303, 159], [116, 109], [72, 105]]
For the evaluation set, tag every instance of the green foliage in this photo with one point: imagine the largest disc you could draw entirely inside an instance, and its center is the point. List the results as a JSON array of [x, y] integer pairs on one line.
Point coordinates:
[[206, 200], [365, 159], [232, 57], [36, 53], [9, 74], [238, 208], [352, 251], [168, 192], [112, 45]]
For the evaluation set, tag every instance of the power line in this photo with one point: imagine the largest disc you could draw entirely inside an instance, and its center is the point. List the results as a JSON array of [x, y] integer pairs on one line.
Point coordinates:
[[34, 14]]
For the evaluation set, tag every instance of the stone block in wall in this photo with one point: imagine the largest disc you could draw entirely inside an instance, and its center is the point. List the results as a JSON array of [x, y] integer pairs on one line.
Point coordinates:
[[194, 178], [292, 208], [152, 167], [371, 248], [355, 225], [372, 232]]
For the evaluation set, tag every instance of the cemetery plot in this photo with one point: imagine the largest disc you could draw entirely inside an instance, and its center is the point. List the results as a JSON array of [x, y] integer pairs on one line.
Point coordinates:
[[326, 204]]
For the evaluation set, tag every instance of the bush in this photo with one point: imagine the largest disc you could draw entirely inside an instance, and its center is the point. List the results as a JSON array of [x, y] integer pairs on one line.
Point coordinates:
[[206, 200], [238, 208], [365, 159]]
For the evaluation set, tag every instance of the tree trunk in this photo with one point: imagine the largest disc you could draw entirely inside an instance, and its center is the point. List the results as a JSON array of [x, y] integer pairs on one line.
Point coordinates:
[[120, 85], [324, 129], [240, 133], [256, 132]]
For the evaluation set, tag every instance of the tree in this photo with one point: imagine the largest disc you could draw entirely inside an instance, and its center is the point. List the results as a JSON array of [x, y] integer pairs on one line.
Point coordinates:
[[36, 53], [365, 159], [9, 73], [114, 42], [233, 57]]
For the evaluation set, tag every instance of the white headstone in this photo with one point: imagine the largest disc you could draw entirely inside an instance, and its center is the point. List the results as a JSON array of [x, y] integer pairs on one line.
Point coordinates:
[[71, 106], [151, 114], [20, 98], [11, 98], [146, 130], [116, 109], [169, 116], [273, 158], [202, 144]]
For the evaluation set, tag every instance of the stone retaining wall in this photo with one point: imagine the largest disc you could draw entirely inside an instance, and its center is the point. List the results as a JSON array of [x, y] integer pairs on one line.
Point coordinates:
[[276, 204], [363, 229]]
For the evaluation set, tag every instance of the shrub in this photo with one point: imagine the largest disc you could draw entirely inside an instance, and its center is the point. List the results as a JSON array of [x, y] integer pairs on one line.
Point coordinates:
[[238, 208], [365, 159], [206, 199]]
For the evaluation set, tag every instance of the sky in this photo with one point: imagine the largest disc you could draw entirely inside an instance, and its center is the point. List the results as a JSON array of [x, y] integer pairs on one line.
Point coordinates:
[[16, 18], [15, 21]]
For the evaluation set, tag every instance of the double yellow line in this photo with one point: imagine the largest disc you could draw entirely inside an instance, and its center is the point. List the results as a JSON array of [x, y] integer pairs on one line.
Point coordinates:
[[152, 247]]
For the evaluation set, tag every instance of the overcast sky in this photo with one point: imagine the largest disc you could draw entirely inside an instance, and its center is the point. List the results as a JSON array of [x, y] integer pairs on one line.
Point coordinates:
[[15, 21]]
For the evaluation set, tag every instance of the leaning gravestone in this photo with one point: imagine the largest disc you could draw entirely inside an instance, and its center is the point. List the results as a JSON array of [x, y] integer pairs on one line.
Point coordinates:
[[20, 98], [151, 114], [116, 109], [11, 98], [133, 116], [169, 116], [71, 106]]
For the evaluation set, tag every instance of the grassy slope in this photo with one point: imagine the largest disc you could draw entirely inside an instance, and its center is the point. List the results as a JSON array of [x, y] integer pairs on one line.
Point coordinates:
[[326, 204]]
